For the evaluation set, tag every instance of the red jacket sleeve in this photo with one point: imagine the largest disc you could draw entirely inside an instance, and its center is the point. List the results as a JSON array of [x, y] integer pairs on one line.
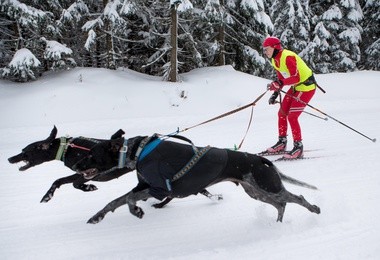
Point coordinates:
[[294, 77]]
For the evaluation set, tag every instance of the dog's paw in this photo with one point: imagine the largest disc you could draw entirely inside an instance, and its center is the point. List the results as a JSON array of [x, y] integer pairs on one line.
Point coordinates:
[[216, 197], [89, 187], [138, 212], [95, 219], [315, 209], [47, 197], [158, 205]]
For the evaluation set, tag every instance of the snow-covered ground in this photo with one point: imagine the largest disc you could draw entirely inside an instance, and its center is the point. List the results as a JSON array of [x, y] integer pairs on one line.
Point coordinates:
[[97, 102]]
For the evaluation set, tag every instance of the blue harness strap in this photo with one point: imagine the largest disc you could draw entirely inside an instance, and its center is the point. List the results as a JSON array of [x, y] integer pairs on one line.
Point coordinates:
[[149, 148]]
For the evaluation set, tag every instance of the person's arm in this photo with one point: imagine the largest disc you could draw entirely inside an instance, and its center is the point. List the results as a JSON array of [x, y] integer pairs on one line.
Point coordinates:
[[294, 77]]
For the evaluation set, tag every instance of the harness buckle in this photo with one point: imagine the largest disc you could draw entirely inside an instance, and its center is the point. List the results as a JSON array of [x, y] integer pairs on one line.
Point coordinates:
[[123, 154]]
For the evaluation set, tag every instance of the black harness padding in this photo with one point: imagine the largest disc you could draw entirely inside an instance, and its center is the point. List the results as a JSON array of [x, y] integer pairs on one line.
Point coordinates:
[[311, 80], [160, 166]]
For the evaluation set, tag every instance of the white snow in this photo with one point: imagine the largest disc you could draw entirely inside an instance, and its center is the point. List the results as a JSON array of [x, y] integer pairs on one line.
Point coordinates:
[[97, 102], [24, 58], [54, 49], [184, 6], [333, 13]]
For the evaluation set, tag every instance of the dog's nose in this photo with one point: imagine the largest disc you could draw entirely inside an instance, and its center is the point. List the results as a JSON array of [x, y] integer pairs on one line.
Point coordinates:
[[12, 159]]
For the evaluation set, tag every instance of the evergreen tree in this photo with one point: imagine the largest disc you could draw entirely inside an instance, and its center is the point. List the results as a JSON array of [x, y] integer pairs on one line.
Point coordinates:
[[371, 36], [70, 16], [337, 35], [21, 27], [250, 28], [291, 23], [231, 32], [58, 55], [346, 51], [23, 67], [108, 31], [317, 53], [136, 34]]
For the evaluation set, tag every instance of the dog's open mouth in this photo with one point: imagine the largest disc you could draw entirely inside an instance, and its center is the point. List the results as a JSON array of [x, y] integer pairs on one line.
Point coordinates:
[[26, 166], [19, 158], [89, 173]]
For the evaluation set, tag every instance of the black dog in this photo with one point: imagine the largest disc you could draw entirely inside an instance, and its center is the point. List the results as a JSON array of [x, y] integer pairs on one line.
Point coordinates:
[[70, 151], [171, 169]]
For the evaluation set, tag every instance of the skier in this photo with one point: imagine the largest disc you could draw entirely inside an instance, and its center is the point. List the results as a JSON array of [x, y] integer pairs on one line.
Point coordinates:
[[291, 70]]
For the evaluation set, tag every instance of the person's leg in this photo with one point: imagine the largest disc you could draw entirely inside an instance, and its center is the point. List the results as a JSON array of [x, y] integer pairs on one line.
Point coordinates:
[[282, 126], [283, 113], [297, 106]]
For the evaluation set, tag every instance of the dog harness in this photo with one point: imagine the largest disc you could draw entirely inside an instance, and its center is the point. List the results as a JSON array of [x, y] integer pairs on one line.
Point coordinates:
[[66, 142], [148, 145], [197, 156], [62, 149]]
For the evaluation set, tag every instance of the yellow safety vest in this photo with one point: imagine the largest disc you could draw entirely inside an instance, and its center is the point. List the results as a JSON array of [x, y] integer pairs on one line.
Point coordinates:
[[304, 71]]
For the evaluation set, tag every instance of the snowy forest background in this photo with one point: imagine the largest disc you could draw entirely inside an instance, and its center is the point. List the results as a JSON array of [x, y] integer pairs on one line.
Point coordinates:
[[162, 37]]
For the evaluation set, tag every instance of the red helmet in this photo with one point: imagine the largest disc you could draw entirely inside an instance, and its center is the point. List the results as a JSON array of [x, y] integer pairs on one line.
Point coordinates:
[[273, 42]]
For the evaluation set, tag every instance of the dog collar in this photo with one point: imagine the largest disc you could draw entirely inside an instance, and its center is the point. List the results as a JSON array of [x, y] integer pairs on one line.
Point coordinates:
[[123, 154], [61, 149]]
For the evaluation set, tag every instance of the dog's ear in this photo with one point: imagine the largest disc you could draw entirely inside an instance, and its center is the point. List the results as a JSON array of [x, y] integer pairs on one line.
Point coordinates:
[[52, 135], [116, 144], [118, 134]]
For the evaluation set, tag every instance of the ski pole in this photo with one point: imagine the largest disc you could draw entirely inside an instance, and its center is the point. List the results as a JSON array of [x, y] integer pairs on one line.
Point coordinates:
[[226, 114], [336, 120], [323, 118]]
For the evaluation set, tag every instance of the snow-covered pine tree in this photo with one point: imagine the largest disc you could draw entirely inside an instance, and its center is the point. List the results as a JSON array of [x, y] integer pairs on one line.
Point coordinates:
[[23, 67], [251, 25], [190, 46], [342, 34], [231, 32], [58, 55], [317, 53], [291, 21], [23, 23], [210, 31], [159, 57], [347, 52], [156, 37], [371, 36], [108, 31], [69, 18]]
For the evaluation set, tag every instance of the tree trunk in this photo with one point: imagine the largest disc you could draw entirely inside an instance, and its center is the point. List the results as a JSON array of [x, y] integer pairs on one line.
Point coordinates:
[[221, 54], [221, 36], [173, 43]]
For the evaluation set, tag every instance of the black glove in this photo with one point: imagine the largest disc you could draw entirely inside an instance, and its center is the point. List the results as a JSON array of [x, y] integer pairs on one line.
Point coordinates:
[[272, 99]]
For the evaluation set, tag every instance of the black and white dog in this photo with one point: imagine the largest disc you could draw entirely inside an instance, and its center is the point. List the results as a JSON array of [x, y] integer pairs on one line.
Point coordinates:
[[70, 150], [172, 169]]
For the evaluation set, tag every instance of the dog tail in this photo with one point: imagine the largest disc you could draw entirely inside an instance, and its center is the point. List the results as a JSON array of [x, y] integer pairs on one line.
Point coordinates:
[[294, 181], [287, 178], [297, 182]]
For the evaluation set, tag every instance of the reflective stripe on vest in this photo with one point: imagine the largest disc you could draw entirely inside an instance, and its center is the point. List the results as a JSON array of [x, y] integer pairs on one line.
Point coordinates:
[[304, 71]]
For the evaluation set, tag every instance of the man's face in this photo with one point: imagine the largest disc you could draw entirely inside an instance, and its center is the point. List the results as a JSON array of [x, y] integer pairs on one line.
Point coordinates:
[[268, 51]]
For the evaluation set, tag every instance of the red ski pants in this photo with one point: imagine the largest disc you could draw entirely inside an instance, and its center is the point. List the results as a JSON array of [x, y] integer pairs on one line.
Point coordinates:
[[291, 108]]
